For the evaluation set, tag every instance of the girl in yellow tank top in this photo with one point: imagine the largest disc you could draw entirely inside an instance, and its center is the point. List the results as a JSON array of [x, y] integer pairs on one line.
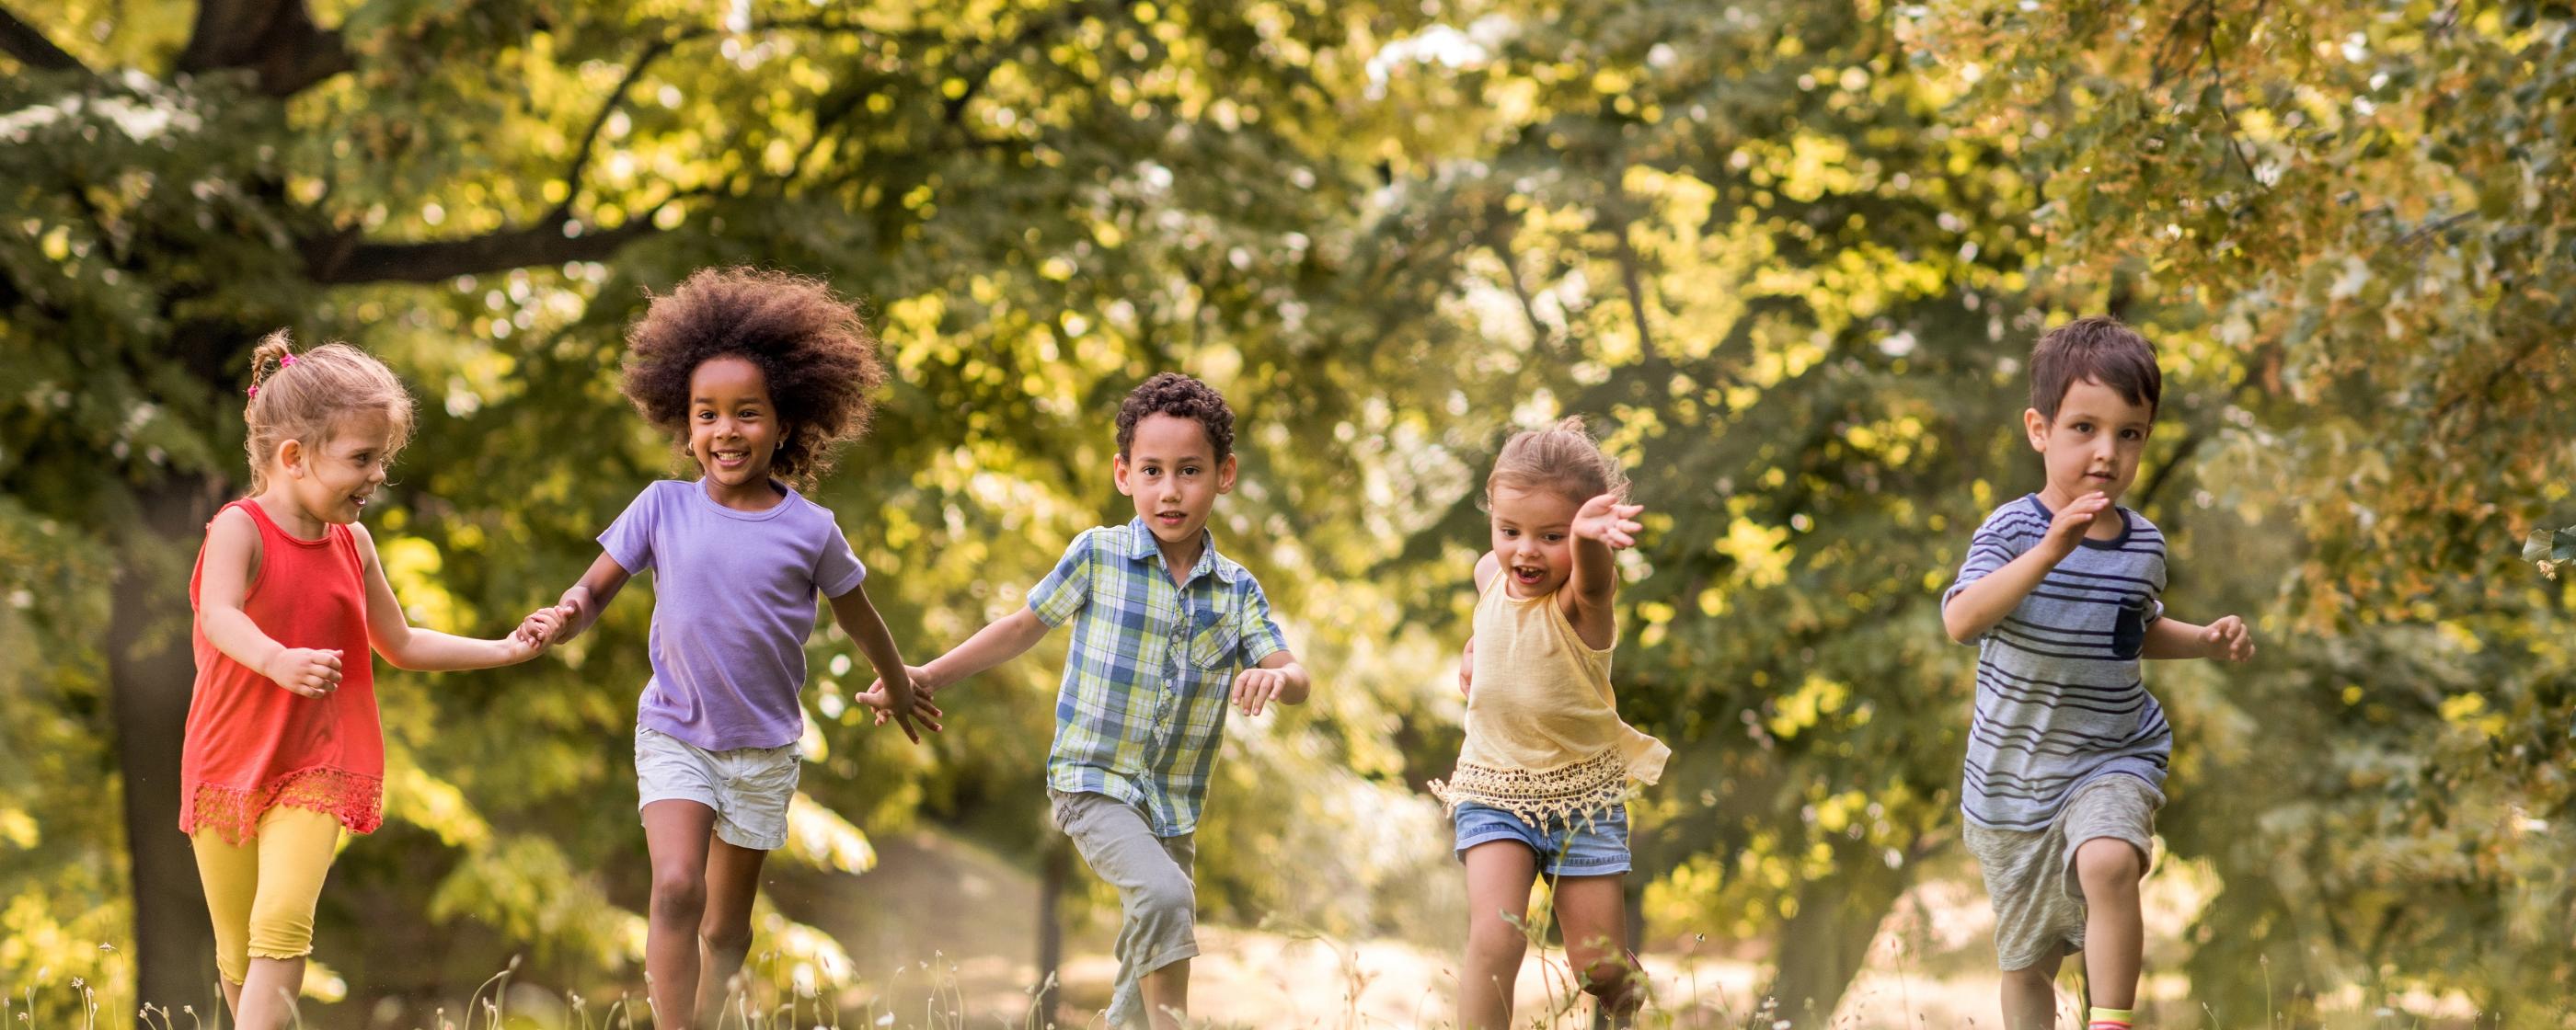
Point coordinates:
[[1542, 781]]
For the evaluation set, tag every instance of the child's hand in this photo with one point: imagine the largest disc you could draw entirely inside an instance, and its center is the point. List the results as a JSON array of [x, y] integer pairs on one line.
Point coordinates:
[[304, 670], [2068, 528], [538, 630], [900, 702], [1256, 687], [1604, 519], [2228, 640]]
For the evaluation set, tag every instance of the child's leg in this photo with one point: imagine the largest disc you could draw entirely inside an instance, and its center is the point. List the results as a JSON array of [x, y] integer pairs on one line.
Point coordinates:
[[733, 880], [1499, 874], [1158, 905], [296, 847], [2030, 996], [676, 837], [2114, 930], [1592, 913], [230, 874]]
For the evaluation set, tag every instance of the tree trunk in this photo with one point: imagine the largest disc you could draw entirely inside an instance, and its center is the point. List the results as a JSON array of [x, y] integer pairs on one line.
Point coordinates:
[[150, 673], [1055, 870], [1827, 942]]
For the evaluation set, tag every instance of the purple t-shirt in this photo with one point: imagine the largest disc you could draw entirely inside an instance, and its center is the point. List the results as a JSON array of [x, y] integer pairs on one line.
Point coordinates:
[[733, 604]]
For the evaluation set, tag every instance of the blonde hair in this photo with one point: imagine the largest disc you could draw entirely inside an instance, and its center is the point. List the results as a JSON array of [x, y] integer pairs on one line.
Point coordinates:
[[305, 396], [1562, 458]]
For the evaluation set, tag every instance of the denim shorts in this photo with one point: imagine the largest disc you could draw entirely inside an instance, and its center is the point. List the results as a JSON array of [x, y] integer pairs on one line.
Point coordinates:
[[1587, 845]]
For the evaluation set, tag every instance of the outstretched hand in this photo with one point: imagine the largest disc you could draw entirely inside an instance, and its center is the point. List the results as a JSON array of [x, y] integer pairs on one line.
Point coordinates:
[[1604, 519]]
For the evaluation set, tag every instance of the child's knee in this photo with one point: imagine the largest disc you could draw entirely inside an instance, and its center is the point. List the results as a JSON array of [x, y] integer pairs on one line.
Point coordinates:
[[2041, 976], [1168, 900], [679, 893], [1611, 982], [2107, 864], [732, 936], [1494, 937]]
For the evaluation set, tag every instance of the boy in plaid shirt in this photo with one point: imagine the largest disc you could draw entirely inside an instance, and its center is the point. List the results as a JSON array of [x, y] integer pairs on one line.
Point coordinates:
[[1166, 633]]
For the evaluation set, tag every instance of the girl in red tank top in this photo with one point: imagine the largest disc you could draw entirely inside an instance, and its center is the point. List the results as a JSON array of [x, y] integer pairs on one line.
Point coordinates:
[[283, 749]]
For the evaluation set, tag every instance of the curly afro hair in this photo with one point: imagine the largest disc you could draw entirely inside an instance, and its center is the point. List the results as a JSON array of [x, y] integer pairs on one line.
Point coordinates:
[[819, 358], [1177, 395]]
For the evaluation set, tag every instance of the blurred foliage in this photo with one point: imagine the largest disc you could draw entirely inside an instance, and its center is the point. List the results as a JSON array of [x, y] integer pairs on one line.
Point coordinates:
[[1789, 258]]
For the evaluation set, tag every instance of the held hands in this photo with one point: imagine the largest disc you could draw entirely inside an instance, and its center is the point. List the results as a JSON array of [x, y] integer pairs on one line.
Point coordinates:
[[2068, 528], [1604, 519], [534, 634], [2227, 640], [304, 670], [1256, 687], [905, 702]]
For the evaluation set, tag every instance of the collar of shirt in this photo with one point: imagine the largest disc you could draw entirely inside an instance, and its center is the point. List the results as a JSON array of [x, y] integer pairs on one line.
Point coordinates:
[[1141, 546]]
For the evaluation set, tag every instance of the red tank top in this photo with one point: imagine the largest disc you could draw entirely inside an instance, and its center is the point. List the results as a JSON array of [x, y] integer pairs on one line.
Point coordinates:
[[252, 744]]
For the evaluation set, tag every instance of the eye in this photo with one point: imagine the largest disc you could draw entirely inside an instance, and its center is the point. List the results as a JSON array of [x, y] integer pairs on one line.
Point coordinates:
[[1189, 470], [2082, 427], [1554, 537], [2132, 434]]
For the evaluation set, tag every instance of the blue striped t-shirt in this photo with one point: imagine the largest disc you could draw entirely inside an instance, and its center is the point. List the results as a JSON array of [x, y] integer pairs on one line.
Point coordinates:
[[2059, 700]]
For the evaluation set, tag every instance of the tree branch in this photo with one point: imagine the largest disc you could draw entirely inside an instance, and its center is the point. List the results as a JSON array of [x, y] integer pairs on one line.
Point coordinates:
[[590, 137], [344, 258], [22, 41], [275, 39]]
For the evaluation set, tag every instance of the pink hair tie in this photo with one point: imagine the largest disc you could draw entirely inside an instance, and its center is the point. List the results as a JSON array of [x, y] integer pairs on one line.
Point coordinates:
[[254, 393], [285, 361]]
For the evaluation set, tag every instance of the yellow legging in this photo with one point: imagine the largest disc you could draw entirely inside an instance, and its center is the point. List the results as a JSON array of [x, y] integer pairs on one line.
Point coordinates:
[[261, 891]]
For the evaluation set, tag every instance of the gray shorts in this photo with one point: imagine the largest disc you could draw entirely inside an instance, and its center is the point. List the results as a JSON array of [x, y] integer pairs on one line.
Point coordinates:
[[2030, 874], [749, 788], [1157, 899]]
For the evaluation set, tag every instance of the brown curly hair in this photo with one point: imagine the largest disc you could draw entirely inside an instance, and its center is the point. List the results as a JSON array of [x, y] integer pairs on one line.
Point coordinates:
[[819, 358], [1177, 395]]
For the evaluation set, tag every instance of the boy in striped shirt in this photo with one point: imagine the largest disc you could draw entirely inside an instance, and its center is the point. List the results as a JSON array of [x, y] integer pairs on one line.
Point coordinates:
[[2067, 754]]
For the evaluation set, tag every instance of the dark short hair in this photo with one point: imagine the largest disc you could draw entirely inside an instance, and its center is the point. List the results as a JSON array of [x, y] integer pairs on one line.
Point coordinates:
[[2096, 347], [1177, 395]]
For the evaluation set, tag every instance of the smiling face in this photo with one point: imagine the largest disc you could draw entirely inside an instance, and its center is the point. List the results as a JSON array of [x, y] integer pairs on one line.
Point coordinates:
[[734, 429], [1533, 538], [2094, 443], [1173, 474], [333, 481]]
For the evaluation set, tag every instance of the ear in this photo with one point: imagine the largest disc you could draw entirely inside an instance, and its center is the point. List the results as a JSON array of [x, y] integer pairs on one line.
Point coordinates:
[[1118, 474], [2035, 424], [786, 432], [290, 453], [1225, 471]]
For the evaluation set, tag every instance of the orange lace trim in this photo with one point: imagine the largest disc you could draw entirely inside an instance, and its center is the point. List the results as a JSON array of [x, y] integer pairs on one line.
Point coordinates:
[[1564, 792], [356, 800]]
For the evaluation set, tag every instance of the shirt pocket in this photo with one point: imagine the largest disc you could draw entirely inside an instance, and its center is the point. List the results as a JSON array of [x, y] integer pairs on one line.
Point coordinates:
[[1215, 644]]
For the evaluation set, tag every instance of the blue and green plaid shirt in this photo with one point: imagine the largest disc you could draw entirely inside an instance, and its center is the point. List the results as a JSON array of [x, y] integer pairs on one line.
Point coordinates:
[[1145, 685]]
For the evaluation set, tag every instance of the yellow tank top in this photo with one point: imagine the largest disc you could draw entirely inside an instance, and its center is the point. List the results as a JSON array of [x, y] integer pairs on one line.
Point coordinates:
[[1544, 737]]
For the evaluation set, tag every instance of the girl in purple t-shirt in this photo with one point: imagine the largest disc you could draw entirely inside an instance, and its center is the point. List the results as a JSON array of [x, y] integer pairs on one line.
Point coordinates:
[[758, 376]]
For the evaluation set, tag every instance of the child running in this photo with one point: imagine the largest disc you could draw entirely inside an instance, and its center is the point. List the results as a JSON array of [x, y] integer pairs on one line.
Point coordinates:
[[283, 749], [1166, 632], [2062, 594], [758, 377], [1542, 781]]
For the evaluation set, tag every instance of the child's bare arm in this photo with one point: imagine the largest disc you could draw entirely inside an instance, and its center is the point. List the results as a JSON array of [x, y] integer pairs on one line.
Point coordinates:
[[2225, 640], [1008, 637], [407, 646], [1977, 607], [232, 553], [1601, 526], [1277, 678], [1487, 568], [892, 693], [585, 599]]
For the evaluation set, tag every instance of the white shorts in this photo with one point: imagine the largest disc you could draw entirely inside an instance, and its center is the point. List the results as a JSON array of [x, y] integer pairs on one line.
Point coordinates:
[[749, 788]]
